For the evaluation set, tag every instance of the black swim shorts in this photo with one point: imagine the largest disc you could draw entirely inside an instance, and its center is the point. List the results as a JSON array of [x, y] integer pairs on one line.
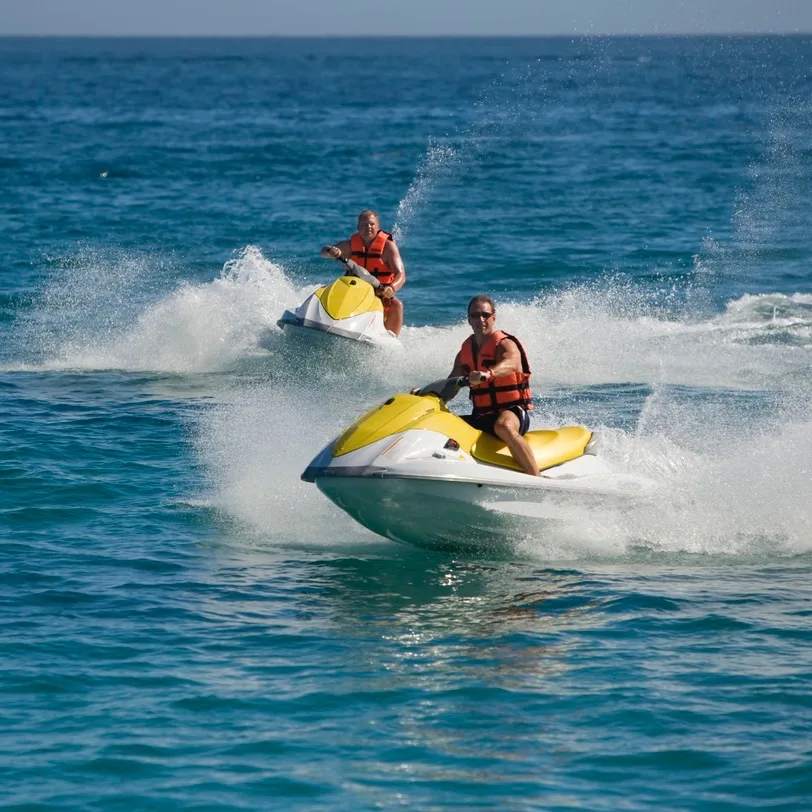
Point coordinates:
[[487, 421]]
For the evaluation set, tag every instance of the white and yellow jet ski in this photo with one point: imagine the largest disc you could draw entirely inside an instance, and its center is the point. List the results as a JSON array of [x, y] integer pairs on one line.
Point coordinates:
[[347, 307], [413, 471]]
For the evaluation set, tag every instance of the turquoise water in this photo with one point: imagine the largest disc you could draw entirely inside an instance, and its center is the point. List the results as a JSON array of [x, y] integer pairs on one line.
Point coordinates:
[[187, 625]]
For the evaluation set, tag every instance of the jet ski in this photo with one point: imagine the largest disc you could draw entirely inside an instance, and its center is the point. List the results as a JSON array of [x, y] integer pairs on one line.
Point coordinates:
[[347, 307], [413, 471]]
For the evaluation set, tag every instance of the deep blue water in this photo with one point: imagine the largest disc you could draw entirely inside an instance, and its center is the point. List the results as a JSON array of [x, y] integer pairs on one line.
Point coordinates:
[[186, 625]]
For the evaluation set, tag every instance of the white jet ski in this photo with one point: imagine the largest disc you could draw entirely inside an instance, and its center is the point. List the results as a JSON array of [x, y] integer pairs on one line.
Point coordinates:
[[413, 471], [348, 308]]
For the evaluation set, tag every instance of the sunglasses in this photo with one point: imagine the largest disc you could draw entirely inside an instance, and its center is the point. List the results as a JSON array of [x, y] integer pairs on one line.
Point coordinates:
[[480, 314]]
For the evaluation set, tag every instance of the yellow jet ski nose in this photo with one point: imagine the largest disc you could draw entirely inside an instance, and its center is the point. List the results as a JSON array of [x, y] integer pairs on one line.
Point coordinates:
[[348, 296]]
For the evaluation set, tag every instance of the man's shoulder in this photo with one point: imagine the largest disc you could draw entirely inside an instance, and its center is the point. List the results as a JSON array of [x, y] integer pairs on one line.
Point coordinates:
[[503, 338]]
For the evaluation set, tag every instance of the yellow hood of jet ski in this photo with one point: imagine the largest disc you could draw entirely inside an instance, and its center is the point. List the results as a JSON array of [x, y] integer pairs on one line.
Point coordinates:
[[348, 296], [410, 412]]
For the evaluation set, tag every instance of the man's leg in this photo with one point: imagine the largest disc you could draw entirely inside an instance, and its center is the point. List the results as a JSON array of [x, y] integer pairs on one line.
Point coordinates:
[[506, 429], [393, 316]]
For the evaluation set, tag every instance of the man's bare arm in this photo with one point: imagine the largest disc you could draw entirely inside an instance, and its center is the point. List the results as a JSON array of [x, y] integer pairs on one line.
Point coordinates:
[[391, 256], [456, 372], [507, 359], [343, 248]]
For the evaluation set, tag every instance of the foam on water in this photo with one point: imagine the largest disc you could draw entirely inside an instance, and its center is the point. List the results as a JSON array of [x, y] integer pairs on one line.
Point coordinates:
[[614, 332], [255, 444], [97, 314], [729, 496]]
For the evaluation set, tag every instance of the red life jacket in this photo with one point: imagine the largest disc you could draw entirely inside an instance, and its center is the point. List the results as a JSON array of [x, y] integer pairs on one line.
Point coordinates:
[[501, 393], [372, 259]]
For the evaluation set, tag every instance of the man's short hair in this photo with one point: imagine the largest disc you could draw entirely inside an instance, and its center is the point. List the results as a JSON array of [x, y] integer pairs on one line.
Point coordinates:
[[482, 300], [369, 211]]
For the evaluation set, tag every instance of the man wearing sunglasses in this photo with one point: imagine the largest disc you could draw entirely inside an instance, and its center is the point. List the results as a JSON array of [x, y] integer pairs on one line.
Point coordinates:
[[499, 375], [376, 251]]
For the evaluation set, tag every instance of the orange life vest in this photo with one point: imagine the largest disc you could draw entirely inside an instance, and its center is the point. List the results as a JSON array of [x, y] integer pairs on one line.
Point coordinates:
[[372, 259], [501, 393]]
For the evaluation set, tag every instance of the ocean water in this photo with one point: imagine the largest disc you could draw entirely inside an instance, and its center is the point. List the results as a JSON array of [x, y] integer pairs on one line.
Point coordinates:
[[187, 625]]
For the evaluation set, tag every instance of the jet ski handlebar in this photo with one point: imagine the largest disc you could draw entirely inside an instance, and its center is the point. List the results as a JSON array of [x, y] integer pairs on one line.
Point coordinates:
[[445, 388], [362, 273]]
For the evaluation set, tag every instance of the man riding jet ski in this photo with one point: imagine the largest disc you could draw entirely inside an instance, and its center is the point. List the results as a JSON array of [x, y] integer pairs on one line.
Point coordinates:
[[360, 305], [375, 250], [413, 471], [348, 308], [498, 373]]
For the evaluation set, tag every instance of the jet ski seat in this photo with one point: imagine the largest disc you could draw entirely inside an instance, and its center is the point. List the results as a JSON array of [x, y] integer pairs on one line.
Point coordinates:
[[551, 447]]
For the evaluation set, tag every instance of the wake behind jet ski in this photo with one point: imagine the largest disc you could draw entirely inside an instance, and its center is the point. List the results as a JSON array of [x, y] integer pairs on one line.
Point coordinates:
[[413, 471]]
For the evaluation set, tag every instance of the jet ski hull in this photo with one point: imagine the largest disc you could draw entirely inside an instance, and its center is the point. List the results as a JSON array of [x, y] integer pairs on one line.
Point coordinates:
[[354, 332], [412, 488], [449, 515], [347, 308]]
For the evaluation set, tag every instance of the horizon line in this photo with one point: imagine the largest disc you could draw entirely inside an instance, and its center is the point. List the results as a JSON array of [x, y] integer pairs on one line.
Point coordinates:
[[332, 36]]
